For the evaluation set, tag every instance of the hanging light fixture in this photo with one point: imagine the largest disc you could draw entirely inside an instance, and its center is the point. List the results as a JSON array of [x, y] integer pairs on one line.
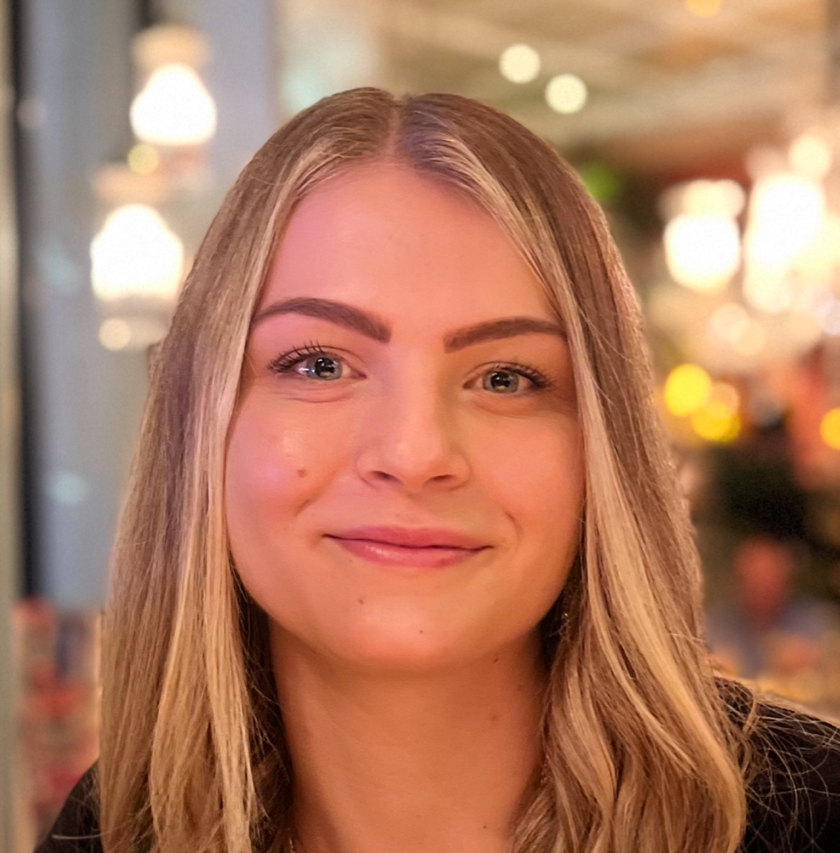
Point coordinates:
[[137, 260], [173, 107], [137, 256], [136, 253]]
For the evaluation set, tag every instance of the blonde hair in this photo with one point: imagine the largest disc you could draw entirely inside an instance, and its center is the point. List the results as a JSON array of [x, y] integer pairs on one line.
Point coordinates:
[[640, 750]]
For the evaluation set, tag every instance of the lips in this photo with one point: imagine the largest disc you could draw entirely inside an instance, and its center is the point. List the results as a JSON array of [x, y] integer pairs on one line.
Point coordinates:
[[408, 548], [418, 537]]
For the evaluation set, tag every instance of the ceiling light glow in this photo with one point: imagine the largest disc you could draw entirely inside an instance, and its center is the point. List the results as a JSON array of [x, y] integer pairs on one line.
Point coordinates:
[[702, 252], [136, 254], [174, 108], [520, 63], [566, 93]]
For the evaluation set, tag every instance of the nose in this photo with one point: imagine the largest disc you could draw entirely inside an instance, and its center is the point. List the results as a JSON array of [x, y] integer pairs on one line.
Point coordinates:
[[411, 440]]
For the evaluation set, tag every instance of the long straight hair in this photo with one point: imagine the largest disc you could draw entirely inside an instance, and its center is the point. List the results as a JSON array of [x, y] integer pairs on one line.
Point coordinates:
[[640, 752]]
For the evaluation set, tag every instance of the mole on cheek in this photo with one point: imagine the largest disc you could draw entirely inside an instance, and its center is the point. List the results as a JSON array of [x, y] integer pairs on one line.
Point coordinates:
[[301, 472]]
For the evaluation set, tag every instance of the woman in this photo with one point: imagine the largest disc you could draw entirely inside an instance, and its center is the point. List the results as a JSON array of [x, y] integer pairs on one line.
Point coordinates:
[[404, 565]]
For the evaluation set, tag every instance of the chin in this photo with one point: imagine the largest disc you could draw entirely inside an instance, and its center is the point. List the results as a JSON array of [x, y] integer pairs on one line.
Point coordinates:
[[400, 644], [406, 648]]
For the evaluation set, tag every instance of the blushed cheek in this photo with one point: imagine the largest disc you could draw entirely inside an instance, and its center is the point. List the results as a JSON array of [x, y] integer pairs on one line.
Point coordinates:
[[266, 468]]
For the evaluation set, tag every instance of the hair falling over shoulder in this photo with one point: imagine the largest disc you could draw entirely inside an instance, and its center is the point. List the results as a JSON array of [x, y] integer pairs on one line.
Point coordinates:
[[640, 752]]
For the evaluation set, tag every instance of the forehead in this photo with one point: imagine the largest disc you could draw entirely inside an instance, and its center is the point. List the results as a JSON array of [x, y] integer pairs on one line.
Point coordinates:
[[386, 238]]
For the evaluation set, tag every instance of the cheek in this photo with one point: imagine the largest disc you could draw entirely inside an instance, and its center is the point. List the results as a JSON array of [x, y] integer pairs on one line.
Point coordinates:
[[539, 468], [262, 463], [275, 464], [537, 477]]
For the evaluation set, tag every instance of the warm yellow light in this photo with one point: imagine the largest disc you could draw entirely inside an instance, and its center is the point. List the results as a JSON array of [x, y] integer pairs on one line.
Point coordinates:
[[830, 428], [703, 8], [566, 93], [174, 108], [767, 291], [136, 255], [687, 388], [786, 219], [115, 333], [703, 252], [704, 197], [716, 421], [520, 63], [715, 198], [786, 214], [143, 159], [810, 156]]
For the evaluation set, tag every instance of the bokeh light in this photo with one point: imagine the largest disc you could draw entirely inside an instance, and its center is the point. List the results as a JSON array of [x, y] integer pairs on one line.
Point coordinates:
[[566, 93], [520, 63], [712, 198], [703, 252], [787, 215], [174, 108], [716, 421], [830, 428], [114, 333], [136, 254], [143, 159], [810, 155], [602, 181], [687, 389]]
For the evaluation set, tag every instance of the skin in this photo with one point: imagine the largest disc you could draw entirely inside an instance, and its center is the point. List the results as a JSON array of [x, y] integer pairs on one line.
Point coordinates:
[[411, 696]]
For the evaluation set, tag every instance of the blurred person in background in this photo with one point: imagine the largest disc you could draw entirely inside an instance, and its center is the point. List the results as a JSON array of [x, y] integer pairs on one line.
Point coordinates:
[[768, 628], [404, 564]]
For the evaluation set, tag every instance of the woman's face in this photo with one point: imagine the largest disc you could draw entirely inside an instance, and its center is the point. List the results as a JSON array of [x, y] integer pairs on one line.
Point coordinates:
[[404, 470]]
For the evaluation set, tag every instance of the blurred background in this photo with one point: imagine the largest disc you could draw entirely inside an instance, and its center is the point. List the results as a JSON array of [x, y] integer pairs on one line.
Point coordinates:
[[708, 129]]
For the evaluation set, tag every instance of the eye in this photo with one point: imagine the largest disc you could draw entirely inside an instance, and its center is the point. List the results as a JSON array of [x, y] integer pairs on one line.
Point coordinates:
[[320, 367], [309, 362], [508, 379], [502, 381]]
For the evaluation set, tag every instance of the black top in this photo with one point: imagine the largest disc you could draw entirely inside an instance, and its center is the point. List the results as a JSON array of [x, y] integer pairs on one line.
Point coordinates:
[[795, 804]]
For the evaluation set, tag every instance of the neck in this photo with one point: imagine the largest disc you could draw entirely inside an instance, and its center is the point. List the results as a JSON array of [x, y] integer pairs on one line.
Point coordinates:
[[416, 762]]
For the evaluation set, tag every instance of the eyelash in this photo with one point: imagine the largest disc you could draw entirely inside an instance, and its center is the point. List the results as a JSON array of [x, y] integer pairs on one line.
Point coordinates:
[[537, 378], [285, 363]]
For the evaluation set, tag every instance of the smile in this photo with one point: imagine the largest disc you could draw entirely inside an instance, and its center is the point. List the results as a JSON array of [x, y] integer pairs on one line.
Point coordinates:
[[418, 548]]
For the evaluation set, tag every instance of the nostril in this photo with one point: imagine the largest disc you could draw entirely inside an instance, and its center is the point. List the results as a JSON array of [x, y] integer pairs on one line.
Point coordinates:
[[384, 475]]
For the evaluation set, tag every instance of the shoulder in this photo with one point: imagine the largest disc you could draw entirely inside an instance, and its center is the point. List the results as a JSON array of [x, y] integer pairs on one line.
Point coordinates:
[[76, 829], [794, 797]]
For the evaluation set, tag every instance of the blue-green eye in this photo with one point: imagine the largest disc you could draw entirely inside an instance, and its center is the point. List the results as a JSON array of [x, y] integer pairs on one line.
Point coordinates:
[[513, 379], [320, 367], [309, 362], [501, 381]]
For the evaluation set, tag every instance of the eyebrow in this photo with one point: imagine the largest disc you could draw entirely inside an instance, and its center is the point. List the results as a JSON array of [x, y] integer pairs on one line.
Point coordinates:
[[373, 327]]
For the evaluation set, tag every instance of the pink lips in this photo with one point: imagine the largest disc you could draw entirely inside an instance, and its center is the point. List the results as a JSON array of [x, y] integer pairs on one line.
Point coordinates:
[[410, 547]]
